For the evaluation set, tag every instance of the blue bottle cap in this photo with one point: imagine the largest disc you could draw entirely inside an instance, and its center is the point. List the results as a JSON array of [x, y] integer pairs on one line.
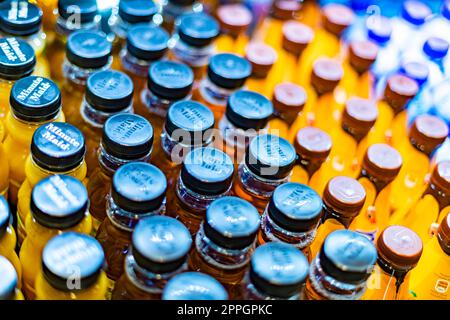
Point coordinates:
[[435, 48], [194, 286], [207, 171], [17, 59], [136, 11], [415, 12], [20, 18], [361, 5], [197, 29], [109, 91], [5, 215], [416, 71], [58, 147], [85, 9], [270, 157], [278, 269], [249, 110], [189, 122], [170, 80], [228, 70], [147, 42], [295, 207], [446, 9], [35, 99], [88, 49], [231, 223], [348, 256], [160, 244], [72, 261], [379, 29], [8, 280], [59, 202], [138, 187], [127, 136]]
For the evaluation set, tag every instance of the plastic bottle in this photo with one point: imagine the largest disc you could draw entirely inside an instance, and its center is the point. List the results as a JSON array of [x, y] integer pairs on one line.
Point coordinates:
[[172, 9], [194, 286]]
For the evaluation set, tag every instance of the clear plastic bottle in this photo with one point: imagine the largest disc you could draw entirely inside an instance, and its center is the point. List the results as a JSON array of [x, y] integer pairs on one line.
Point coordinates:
[[341, 269], [8, 285], [172, 9], [292, 216], [159, 250], [126, 138], [206, 175], [194, 286]]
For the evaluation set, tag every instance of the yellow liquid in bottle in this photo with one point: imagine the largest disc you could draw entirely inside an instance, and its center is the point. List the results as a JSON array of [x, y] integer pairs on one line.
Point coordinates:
[[382, 125], [323, 231], [5, 90], [383, 286], [4, 172]]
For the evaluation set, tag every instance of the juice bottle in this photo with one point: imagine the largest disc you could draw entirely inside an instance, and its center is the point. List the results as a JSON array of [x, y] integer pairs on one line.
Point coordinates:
[[225, 241], [48, 17], [343, 199], [17, 60], [8, 239], [380, 166], [86, 53], [8, 285], [145, 45], [313, 147], [58, 204], [234, 20], [399, 250], [292, 217], [72, 269], [34, 101], [425, 135], [430, 280], [277, 271], [55, 148], [138, 190], [172, 9], [193, 41], [431, 206], [206, 175], [246, 115], [126, 138], [159, 251], [168, 82], [189, 125], [194, 286], [268, 163], [4, 172], [72, 15], [107, 93], [341, 269], [288, 100], [23, 20], [226, 74]]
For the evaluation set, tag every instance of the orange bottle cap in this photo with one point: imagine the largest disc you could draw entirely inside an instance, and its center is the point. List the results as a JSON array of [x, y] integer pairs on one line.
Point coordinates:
[[234, 18], [288, 96], [326, 75], [399, 91], [336, 18], [344, 195], [262, 57], [427, 132], [296, 36], [381, 160], [312, 143], [362, 55]]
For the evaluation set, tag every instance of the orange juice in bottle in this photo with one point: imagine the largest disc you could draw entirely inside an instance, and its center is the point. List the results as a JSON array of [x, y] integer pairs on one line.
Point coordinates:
[[55, 148], [343, 200], [9, 285], [64, 256], [399, 250], [234, 20], [58, 204], [380, 166], [8, 239], [4, 172], [292, 217], [430, 279], [194, 286], [48, 15], [126, 138], [34, 101]]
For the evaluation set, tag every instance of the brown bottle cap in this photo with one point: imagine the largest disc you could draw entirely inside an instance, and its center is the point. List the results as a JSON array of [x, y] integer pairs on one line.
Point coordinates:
[[336, 18], [399, 91], [344, 195], [326, 75], [381, 160], [288, 97], [444, 234], [440, 177], [400, 247], [296, 36], [262, 57], [234, 18], [427, 132], [359, 116], [285, 9], [312, 143], [362, 55]]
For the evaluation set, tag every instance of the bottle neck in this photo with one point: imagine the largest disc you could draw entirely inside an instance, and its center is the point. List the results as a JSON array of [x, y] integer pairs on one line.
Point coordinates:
[[309, 165], [77, 75], [192, 56], [40, 171], [65, 27], [134, 65], [214, 94], [344, 219], [95, 118], [378, 182], [437, 193], [252, 292]]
